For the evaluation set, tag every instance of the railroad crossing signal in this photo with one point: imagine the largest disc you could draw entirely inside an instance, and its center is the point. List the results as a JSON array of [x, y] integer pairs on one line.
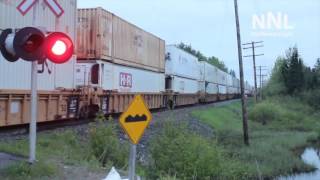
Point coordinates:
[[135, 119], [26, 5], [32, 44]]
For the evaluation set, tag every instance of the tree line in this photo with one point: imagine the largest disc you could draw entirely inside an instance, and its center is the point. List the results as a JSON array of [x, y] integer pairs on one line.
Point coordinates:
[[290, 76]]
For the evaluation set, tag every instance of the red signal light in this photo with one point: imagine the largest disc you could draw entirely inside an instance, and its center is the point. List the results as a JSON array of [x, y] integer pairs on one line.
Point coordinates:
[[59, 47]]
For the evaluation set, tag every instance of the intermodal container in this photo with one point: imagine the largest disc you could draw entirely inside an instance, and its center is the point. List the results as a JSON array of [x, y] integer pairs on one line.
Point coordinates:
[[103, 35], [119, 78]]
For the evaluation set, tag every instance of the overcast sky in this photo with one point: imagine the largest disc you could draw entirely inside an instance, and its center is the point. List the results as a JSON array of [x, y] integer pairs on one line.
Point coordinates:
[[209, 26]]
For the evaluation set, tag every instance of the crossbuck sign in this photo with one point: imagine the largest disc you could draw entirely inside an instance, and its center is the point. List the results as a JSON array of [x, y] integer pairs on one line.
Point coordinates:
[[26, 5]]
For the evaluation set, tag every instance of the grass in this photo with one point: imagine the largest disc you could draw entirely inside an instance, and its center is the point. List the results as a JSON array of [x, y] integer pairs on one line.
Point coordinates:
[[68, 148], [24, 170], [177, 152], [224, 119], [271, 151], [277, 128], [54, 150]]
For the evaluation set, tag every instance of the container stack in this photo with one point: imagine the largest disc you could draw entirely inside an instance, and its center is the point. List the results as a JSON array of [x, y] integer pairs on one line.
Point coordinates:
[[103, 35], [182, 71], [129, 59]]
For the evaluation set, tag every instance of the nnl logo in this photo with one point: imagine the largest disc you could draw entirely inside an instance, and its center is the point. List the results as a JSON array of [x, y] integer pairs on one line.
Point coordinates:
[[271, 21]]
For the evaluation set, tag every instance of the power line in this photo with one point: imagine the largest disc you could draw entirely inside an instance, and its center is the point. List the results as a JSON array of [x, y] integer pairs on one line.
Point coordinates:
[[253, 55], [251, 43]]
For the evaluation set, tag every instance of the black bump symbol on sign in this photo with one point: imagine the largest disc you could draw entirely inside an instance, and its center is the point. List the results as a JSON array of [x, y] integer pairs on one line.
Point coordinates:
[[137, 118]]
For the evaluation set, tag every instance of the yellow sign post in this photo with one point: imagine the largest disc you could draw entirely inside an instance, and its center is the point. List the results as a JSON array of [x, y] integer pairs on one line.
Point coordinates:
[[134, 121]]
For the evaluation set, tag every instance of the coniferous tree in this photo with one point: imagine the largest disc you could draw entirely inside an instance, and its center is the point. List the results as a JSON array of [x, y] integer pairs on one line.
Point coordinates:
[[232, 73], [293, 71], [317, 73]]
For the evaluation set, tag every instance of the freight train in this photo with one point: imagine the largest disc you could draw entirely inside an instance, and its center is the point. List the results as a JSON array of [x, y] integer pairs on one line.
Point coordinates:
[[114, 61]]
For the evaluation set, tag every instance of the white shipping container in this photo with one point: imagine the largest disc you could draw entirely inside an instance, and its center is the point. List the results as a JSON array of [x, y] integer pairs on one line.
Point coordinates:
[[184, 85], [222, 89], [201, 86], [229, 80], [17, 75], [180, 63], [212, 88], [118, 77], [222, 76], [210, 73], [231, 90], [235, 82], [201, 67]]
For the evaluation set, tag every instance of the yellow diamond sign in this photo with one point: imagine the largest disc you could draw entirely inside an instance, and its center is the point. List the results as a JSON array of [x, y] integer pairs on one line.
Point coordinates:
[[135, 119]]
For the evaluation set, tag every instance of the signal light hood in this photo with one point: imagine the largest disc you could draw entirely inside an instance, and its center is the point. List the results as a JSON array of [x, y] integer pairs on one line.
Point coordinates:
[[29, 43], [6, 54]]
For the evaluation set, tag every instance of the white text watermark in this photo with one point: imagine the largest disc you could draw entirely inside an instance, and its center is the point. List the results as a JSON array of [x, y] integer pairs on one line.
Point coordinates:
[[272, 24]]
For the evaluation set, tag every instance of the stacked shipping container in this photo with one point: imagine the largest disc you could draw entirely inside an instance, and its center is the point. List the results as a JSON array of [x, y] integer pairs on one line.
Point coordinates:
[[105, 36], [182, 71], [114, 77], [125, 57], [210, 78]]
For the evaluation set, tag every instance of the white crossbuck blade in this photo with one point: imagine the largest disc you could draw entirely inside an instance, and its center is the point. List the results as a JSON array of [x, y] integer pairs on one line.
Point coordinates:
[[26, 5]]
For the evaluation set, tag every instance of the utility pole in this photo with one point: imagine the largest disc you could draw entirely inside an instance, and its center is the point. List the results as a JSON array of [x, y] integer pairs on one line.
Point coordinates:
[[261, 78], [243, 98], [262, 84], [253, 46]]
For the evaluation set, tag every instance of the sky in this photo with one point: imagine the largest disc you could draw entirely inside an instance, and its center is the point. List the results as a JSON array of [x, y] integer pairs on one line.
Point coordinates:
[[209, 26]]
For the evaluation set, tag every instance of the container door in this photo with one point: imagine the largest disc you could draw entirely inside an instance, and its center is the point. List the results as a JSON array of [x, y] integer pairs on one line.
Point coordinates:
[[81, 75]]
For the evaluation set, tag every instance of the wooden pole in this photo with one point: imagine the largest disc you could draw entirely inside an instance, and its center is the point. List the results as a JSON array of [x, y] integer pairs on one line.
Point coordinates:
[[243, 98], [255, 75], [260, 84]]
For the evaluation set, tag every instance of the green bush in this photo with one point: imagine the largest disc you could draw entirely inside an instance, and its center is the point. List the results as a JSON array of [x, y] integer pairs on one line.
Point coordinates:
[[106, 146], [312, 98], [285, 112], [166, 177], [100, 116], [264, 112], [24, 170], [178, 153]]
